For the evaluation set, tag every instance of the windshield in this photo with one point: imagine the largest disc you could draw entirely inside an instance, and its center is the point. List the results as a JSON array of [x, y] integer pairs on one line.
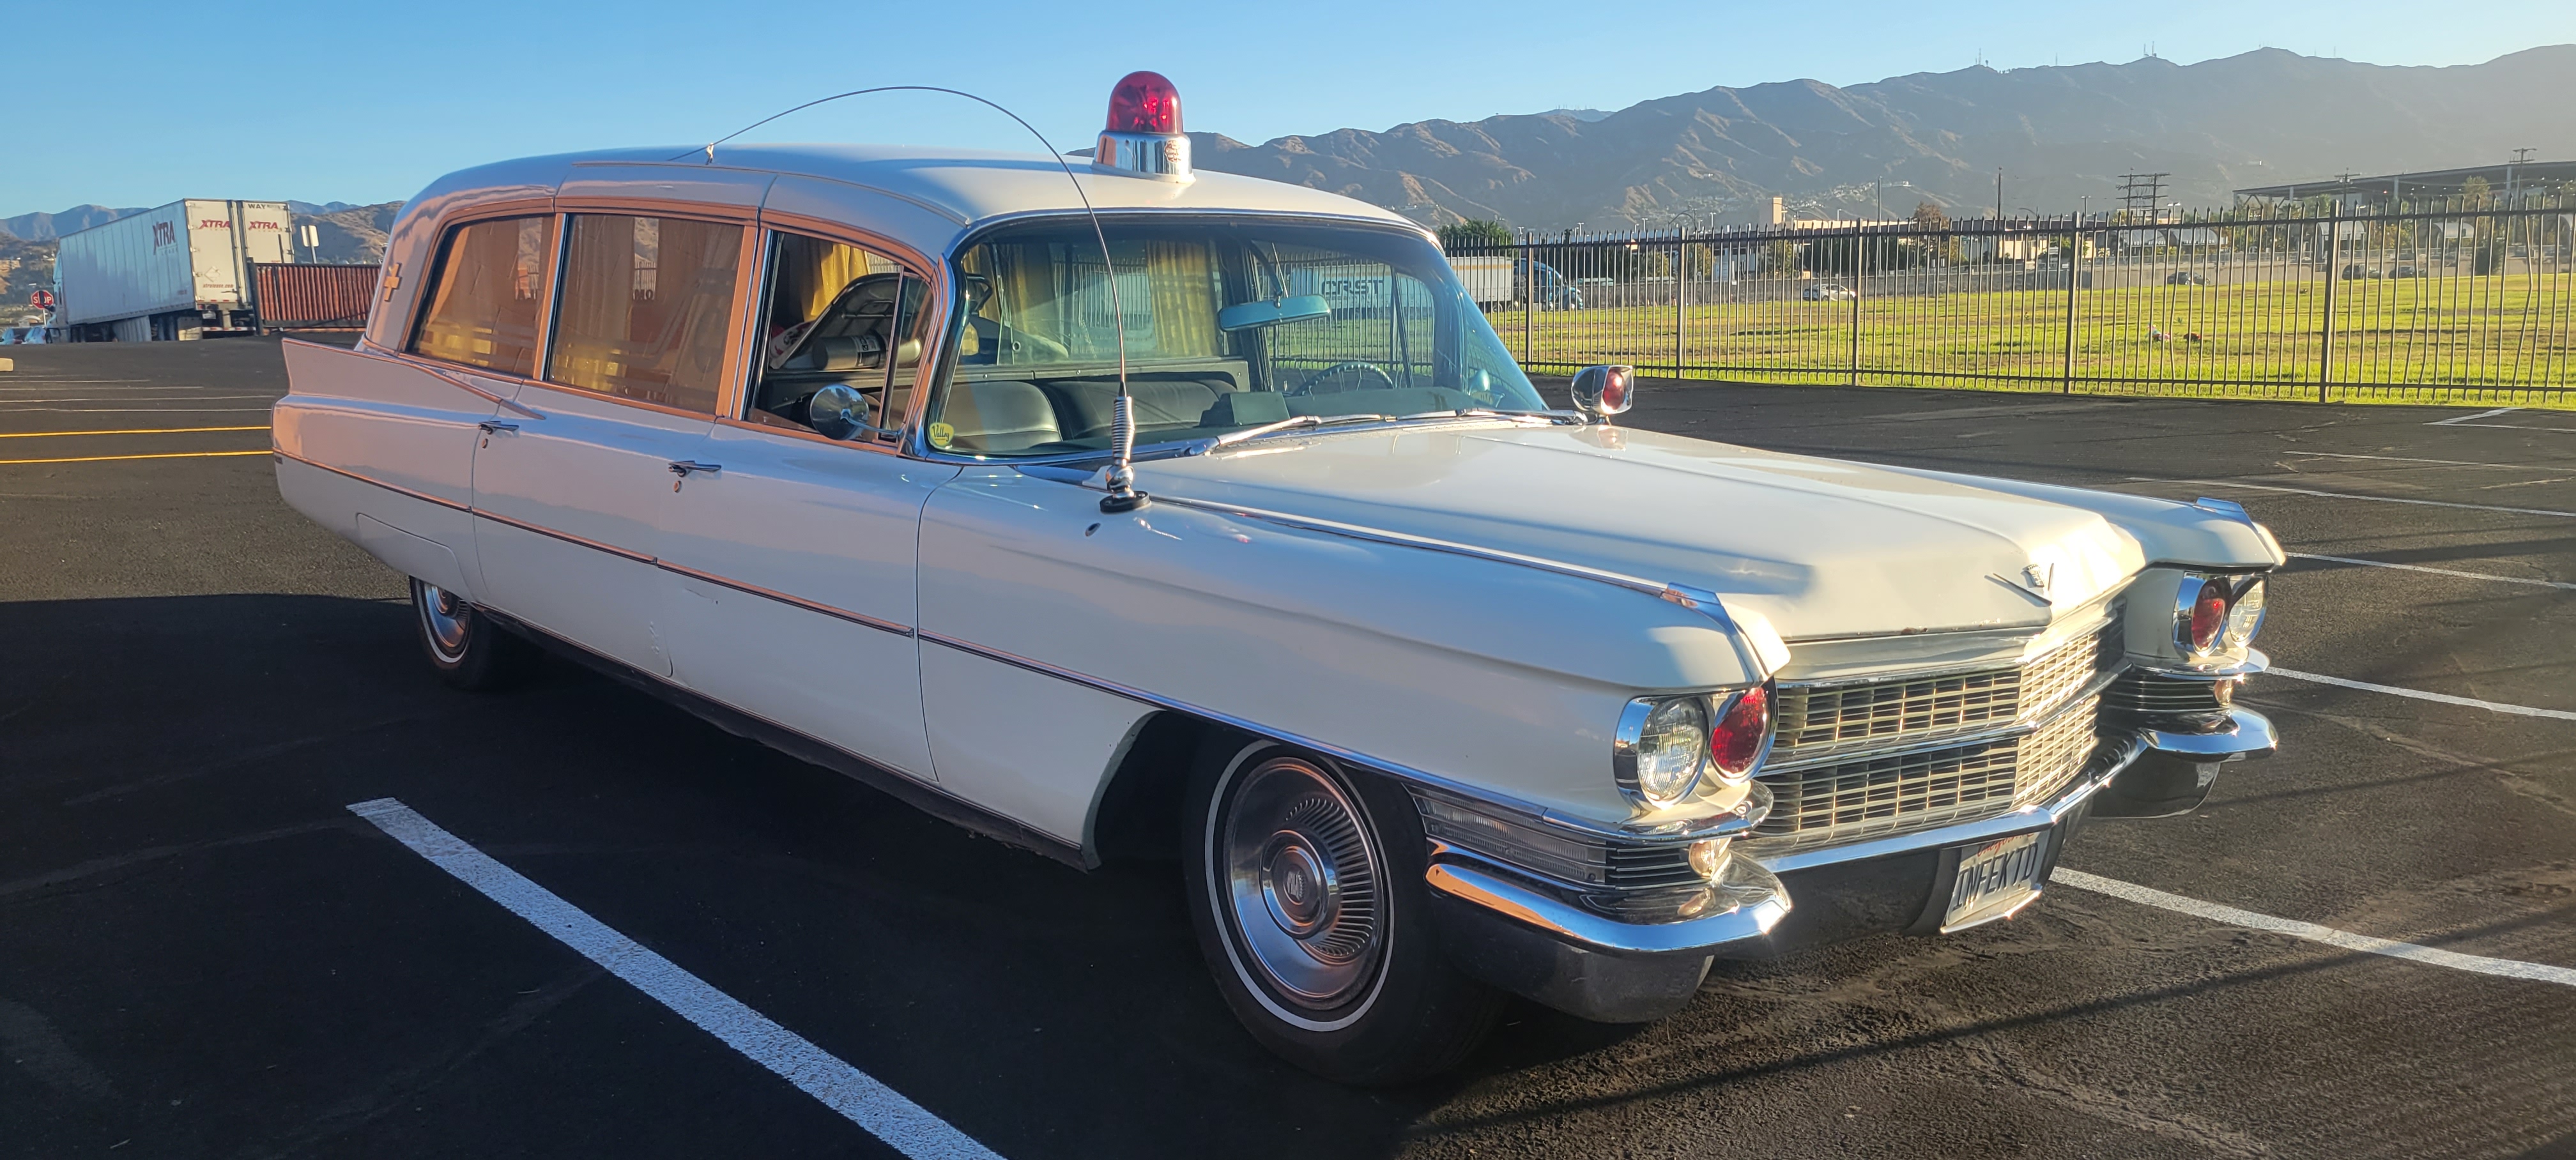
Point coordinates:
[[1228, 326]]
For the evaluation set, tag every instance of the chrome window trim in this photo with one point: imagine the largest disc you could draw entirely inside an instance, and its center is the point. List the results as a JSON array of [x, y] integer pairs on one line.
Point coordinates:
[[916, 442]]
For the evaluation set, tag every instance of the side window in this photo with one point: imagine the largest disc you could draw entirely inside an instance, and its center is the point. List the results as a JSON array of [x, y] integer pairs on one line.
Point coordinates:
[[484, 298], [646, 307], [841, 339]]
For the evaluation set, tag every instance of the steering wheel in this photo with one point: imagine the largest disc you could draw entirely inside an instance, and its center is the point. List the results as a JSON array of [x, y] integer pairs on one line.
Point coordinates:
[[1369, 368]]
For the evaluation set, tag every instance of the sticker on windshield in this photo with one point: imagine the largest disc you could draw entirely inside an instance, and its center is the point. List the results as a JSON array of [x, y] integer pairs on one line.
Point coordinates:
[[941, 434]]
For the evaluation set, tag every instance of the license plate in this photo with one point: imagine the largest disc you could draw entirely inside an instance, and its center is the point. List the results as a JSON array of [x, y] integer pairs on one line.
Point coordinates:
[[1995, 880]]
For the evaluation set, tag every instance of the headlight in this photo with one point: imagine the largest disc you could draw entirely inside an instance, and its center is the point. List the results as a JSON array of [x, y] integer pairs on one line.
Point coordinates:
[[2245, 617], [1661, 748], [2216, 614]]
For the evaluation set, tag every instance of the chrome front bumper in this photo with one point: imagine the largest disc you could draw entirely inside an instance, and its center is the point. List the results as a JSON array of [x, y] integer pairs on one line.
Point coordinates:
[[1536, 939]]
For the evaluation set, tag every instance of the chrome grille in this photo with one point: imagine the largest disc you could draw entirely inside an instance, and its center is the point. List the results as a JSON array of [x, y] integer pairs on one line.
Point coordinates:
[[1820, 719], [1868, 797], [2150, 695]]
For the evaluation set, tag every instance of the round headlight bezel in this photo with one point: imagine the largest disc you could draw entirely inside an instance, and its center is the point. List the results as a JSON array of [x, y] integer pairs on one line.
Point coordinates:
[[1647, 750], [2244, 614], [2217, 614], [1661, 751]]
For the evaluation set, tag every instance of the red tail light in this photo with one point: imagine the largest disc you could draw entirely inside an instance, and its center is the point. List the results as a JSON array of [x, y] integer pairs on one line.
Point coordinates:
[[2208, 616], [1144, 102], [1735, 742]]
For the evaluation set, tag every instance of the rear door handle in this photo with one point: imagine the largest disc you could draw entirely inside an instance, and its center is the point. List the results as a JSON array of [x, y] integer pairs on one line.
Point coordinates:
[[491, 425], [682, 467]]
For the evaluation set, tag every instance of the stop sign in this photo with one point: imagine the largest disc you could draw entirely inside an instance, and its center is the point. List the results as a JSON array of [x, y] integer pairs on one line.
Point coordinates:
[[42, 299]]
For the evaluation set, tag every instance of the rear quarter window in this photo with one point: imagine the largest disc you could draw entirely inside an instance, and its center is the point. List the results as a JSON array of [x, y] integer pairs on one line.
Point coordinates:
[[485, 295]]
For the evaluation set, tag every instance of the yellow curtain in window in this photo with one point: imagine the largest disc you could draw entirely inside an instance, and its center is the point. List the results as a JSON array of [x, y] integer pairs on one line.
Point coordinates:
[[1184, 284]]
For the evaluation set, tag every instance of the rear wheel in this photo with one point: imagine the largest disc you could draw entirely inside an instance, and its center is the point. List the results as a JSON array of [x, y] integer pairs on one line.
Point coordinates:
[[466, 647], [1306, 886]]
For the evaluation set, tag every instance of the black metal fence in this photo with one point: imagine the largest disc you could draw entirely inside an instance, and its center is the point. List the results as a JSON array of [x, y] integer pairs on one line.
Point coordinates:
[[2448, 302]]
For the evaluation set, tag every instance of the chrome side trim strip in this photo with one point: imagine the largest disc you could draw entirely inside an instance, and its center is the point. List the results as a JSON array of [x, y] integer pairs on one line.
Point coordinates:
[[397, 489], [2036, 816], [1528, 812], [566, 537], [1703, 601], [858, 618]]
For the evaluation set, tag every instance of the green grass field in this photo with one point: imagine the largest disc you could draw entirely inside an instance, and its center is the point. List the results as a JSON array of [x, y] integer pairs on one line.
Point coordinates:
[[2492, 339]]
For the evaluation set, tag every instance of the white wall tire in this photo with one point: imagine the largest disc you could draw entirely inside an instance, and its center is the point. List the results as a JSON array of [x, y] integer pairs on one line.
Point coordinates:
[[468, 650], [1306, 888]]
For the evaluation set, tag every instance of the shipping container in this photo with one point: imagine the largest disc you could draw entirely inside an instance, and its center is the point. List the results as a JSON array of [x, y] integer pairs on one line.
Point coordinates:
[[173, 272], [312, 297]]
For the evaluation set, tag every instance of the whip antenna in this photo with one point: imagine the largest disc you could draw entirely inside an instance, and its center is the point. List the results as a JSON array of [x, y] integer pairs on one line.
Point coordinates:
[[1123, 495]]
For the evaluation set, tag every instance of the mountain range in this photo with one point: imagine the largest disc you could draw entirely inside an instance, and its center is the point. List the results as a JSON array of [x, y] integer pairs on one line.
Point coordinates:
[[2061, 135]]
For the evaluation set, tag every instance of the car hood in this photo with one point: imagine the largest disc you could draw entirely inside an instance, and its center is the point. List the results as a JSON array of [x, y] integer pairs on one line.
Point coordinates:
[[1821, 548]]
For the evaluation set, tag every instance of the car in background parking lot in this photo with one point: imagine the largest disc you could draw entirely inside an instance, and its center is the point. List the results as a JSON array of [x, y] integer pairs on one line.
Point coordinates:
[[1828, 292]]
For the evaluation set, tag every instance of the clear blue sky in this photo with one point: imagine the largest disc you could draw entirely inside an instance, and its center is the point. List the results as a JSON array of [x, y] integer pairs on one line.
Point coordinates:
[[367, 102]]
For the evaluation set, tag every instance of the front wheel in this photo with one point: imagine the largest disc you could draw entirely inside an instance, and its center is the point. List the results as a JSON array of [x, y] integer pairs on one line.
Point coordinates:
[[468, 650], [1306, 886]]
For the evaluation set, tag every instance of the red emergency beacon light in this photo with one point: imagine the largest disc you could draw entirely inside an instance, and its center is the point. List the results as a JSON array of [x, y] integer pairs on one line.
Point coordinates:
[[1144, 137], [1144, 102]]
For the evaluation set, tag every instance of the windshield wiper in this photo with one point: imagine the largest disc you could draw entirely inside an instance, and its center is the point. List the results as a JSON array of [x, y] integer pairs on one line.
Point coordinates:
[[1228, 440], [1303, 421]]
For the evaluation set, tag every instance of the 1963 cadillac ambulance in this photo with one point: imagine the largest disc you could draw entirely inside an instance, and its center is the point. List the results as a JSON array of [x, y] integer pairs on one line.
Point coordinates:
[[1219, 526]]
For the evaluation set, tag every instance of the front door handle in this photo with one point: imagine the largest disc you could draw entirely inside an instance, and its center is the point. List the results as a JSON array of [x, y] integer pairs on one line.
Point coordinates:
[[682, 467], [491, 425]]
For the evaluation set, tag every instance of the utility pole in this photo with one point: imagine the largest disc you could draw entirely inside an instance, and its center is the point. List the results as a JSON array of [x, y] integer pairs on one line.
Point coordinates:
[[1999, 193], [2139, 195]]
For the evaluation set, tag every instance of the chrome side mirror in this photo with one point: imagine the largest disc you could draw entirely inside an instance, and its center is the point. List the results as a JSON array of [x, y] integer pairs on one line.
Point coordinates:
[[838, 411], [1604, 391]]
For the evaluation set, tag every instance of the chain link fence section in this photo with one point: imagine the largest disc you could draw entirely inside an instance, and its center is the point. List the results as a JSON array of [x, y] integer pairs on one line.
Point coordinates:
[[2448, 302]]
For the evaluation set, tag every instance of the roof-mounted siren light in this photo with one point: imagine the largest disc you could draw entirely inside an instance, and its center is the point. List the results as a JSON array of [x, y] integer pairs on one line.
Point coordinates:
[[1144, 135]]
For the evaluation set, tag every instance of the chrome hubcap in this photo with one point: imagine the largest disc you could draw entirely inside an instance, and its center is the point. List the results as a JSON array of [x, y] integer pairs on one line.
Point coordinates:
[[1301, 884], [443, 617]]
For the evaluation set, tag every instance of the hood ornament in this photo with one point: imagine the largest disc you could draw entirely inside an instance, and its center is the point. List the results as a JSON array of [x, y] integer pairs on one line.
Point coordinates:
[[2038, 576]]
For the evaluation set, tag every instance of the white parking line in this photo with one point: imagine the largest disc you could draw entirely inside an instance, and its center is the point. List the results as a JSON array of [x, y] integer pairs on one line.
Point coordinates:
[[2442, 462], [2462, 420], [2434, 956], [2477, 507], [883, 1111], [2421, 695], [2435, 571]]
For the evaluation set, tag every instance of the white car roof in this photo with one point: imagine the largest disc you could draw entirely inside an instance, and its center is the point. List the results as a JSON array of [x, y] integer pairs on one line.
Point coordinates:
[[972, 186], [924, 197]]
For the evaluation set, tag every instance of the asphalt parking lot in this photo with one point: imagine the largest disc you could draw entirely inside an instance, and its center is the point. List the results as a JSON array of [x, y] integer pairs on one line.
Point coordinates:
[[203, 952]]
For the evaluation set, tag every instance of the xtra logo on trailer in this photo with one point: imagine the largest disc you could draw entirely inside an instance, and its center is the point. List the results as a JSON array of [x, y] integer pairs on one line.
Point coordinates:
[[213, 224], [1345, 287], [164, 234]]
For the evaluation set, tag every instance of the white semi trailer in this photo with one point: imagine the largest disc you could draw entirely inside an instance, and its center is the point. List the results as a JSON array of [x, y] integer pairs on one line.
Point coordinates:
[[178, 272]]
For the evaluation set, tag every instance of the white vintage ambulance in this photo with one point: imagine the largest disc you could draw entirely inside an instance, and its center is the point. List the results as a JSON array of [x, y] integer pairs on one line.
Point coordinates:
[[1118, 511]]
